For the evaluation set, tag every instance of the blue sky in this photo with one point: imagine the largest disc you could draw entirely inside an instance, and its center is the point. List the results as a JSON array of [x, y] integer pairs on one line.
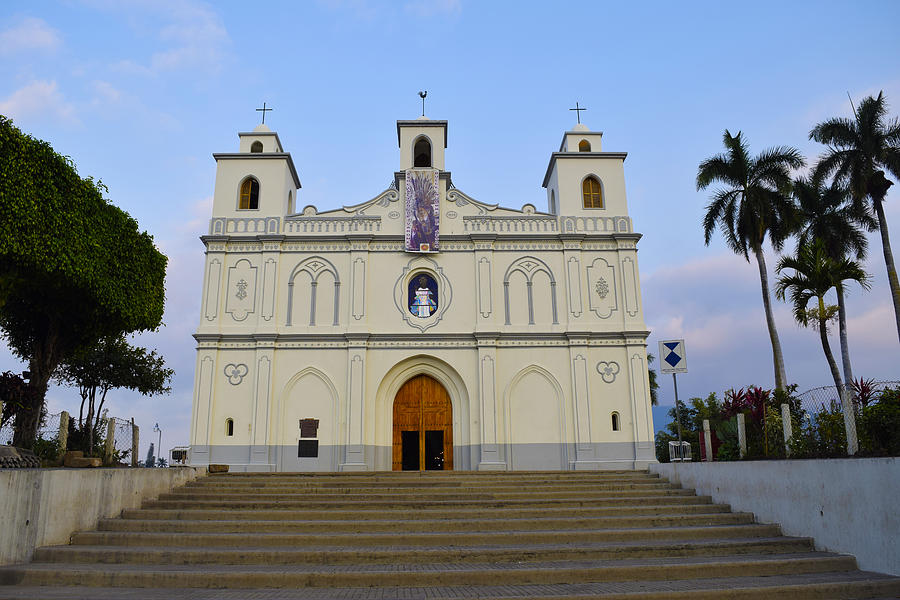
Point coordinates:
[[140, 94]]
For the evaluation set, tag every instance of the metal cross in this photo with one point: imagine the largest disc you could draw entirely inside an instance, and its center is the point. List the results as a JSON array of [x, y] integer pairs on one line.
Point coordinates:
[[264, 110], [577, 110]]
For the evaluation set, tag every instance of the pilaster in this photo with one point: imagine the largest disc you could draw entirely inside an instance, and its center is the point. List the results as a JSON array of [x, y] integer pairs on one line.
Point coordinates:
[[355, 409], [491, 457]]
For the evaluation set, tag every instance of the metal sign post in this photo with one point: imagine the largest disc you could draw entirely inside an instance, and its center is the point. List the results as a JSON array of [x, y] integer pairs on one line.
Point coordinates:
[[673, 359]]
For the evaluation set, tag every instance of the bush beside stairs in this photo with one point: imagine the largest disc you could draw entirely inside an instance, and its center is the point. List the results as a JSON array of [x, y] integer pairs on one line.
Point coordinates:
[[624, 534]]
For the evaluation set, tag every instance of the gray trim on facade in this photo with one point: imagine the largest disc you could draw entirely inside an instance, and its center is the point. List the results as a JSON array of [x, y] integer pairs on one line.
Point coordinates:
[[626, 337], [261, 155], [555, 155], [257, 133], [562, 143], [422, 123]]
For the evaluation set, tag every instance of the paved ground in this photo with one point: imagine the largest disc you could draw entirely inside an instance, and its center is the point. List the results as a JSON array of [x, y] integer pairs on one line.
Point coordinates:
[[779, 585]]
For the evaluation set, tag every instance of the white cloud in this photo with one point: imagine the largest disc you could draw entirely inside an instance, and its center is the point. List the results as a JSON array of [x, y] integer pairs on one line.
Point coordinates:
[[197, 35], [106, 93], [31, 34], [715, 304], [192, 35], [39, 98]]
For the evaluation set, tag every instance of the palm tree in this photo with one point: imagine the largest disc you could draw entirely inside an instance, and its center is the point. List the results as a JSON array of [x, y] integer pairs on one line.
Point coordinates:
[[826, 213], [815, 273], [859, 150], [753, 202]]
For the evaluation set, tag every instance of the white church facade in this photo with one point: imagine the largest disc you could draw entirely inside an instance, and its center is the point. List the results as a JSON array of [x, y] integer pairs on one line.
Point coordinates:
[[422, 329]]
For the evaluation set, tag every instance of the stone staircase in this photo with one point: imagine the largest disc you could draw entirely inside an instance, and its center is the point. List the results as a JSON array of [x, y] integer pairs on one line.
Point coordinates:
[[437, 534]]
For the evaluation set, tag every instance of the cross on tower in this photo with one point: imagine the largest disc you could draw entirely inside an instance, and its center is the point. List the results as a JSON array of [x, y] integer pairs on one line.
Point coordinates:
[[577, 110], [264, 110]]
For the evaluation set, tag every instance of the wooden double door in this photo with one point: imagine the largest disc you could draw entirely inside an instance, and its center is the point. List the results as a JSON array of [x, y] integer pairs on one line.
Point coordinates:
[[423, 427]]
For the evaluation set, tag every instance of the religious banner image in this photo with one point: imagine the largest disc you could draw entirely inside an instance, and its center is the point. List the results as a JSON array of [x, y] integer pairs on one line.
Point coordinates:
[[423, 210]]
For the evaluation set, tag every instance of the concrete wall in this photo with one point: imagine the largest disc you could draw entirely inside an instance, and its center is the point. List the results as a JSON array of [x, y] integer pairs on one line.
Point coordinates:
[[41, 507], [846, 505]]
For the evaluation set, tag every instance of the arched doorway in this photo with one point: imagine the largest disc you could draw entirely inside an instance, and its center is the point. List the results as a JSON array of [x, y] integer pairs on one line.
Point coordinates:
[[423, 426]]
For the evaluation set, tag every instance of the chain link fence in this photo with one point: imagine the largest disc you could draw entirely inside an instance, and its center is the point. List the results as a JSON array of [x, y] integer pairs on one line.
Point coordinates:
[[122, 439], [48, 430], [120, 449], [828, 397]]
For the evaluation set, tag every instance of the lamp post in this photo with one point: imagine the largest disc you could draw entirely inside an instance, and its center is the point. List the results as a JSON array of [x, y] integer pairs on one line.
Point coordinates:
[[158, 442]]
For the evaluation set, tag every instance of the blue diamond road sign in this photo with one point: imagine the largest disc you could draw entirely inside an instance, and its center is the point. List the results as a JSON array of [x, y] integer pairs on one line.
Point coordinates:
[[672, 357]]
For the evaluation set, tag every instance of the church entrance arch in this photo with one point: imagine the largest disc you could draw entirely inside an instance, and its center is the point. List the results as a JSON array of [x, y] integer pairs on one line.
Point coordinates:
[[422, 426]]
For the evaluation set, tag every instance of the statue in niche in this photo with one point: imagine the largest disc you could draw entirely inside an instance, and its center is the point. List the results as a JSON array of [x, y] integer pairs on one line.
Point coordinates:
[[423, 296]]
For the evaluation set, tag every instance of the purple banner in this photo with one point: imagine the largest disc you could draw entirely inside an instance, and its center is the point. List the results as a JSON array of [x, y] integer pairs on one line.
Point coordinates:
[[423, 210]]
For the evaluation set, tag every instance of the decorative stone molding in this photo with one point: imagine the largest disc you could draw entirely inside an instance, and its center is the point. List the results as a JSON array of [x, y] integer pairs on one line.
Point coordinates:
[[236, 373], [597, 225], [445, 292], [608, 370]]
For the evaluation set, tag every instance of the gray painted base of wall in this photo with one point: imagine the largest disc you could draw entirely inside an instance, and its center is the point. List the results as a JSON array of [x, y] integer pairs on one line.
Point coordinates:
[[496, 457], [43, 507], [845, 505]]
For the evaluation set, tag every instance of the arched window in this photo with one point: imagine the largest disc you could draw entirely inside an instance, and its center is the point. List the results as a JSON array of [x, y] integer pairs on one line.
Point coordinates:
[[249, 194], [584, 146], [552, 202], [290, 206], [615, 421], [592, 193], [229, 427], [422, 153], [256, 146]]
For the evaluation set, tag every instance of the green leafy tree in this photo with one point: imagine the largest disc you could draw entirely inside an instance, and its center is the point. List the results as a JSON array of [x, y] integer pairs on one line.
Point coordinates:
[[752, 203], [73, 267], [112, 363], [654, 384], [827, 213], [859, 152], [815, 273]]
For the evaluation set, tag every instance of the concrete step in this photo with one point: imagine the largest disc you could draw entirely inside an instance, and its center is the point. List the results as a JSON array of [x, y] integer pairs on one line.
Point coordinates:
[[424, 513], [394, 555], [436, 495], [666, 496], [427, 535], [806, 586], [422, 525], [448, 539], [442, 476], [306, 488], [513, 573]]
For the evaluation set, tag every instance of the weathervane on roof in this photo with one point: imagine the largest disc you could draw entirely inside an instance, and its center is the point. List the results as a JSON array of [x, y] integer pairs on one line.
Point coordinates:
[[578, 110], [264, 110], [422, 96]]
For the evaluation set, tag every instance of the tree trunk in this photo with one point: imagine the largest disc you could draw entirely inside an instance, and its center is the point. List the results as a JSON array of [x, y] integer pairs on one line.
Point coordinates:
[[842, 328], [823, 335], [780, 377], [41, 365], [845, 394], [888, 260]]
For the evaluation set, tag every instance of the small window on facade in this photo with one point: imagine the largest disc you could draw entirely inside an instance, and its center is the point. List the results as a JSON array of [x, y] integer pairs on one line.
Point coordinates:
[[423, 295], [615, 421], [229, 427], [249, 194], [422, 153], [552, 203], [290, 206], [591, 191], [584, 146], [256, 146]]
